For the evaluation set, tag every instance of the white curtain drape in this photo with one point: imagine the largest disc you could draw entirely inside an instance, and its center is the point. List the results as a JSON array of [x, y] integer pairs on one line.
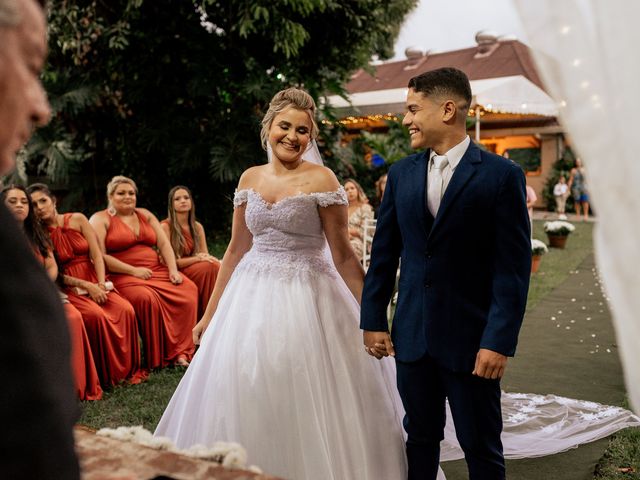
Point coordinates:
[[587, 54]]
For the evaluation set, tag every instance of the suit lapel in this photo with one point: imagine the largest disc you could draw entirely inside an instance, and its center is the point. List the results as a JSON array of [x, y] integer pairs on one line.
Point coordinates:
[[463, 173], [418, 189]]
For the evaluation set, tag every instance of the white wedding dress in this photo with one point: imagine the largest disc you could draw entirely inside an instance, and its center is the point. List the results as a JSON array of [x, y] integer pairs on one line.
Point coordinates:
[[281, 369]]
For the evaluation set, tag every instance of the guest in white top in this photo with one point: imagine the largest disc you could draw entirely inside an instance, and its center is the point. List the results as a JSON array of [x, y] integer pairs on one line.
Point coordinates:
[[561, 193]]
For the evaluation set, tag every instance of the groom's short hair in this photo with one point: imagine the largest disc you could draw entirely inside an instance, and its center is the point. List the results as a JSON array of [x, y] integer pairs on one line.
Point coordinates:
[[443, 82]]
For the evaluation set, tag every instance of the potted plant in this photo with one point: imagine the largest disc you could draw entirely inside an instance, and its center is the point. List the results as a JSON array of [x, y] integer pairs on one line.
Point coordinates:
[[557, 232], [538, 248]]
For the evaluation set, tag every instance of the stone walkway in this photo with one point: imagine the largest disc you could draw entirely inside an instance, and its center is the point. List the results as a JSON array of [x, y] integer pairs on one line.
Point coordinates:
[[567, 347]]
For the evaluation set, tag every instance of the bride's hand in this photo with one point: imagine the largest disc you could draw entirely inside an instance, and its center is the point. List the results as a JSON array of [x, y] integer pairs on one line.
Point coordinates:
[[197, 332], [378, 344]]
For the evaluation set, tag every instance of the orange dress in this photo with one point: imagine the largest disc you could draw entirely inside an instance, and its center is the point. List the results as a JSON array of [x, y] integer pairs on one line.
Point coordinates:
[[84, 369], [166, 312], [111, 327], [85, 375], [203, 274]]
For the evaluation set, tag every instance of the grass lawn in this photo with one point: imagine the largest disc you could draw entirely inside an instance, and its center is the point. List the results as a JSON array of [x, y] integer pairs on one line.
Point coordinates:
[[143, 404], [622, 458], [557, 264]]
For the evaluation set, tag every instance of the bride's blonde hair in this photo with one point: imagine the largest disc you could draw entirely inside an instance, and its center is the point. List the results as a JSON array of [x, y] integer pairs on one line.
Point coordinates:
[[290, 97]]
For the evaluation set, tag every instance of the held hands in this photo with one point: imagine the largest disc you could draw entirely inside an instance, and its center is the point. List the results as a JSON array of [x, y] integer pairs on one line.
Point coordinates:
[[489, 364], [143, 273], [378, 344]]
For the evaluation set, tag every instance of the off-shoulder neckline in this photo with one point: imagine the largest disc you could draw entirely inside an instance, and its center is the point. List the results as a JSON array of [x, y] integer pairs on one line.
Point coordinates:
[[297, 195]]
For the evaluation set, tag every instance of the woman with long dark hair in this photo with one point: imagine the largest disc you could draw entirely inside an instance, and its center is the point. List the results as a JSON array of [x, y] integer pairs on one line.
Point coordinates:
[[109, 319], [87, 383], [189, 244]]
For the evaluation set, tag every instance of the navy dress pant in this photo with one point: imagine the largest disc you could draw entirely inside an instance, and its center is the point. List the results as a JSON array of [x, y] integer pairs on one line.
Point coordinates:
[[424, 387]]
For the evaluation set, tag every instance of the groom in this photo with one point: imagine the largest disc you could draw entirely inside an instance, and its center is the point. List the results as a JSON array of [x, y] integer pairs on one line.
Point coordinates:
[[456, 217]]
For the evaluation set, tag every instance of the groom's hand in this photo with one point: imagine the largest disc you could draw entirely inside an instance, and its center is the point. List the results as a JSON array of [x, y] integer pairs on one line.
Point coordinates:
[[378, 344], [489, 364]]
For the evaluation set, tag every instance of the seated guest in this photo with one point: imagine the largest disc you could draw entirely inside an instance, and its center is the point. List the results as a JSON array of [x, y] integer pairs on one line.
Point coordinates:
[[359, 212], [381, 183], [166, 304], [190, 244], [87, 383], [109, 319], [82, 364]]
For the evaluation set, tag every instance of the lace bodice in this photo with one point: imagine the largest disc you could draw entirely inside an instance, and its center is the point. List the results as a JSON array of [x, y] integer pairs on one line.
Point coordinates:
[[288, 238]]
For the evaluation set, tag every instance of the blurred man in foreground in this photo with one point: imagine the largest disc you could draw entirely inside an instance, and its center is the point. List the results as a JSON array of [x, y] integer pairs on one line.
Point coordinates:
[[37, 404]]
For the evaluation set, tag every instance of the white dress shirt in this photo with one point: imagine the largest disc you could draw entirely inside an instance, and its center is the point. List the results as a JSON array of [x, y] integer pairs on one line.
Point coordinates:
[[454, 155]]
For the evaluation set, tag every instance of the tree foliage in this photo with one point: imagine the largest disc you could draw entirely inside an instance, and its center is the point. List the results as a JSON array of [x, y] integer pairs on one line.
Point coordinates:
[[173, 92], [355, 158]]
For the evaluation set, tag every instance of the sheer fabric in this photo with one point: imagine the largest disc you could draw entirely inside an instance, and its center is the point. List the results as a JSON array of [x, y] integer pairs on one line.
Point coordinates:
[[586, 51], [539, 425]]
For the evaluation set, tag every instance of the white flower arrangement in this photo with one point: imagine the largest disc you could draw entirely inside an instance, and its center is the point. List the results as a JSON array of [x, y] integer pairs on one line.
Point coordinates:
[[538, 247], [228, 454], [559, 227]]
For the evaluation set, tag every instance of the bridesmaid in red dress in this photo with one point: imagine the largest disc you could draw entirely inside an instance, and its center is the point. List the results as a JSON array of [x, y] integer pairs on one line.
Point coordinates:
[[190, 244], [87, 384], [82, 364], [109, 319], [165, 302]]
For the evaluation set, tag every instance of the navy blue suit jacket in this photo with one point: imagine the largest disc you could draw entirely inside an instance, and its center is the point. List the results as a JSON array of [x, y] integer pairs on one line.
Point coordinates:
[[464, 275]]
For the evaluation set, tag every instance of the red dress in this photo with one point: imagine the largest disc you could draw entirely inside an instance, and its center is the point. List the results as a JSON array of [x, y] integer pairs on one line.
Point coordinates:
[[111, 327], [203, 274], [166, 312], [82, 365]]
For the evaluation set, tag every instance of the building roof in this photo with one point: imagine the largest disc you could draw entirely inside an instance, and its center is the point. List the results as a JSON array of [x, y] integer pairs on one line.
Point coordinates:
[[503, 59]]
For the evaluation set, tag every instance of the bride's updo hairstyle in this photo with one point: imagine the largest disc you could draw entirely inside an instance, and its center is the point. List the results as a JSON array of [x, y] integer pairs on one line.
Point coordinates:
[[111, 188], [290, 97]]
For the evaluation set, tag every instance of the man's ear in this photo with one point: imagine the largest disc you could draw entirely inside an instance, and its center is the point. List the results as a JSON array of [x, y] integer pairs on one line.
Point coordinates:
[[450, 109]]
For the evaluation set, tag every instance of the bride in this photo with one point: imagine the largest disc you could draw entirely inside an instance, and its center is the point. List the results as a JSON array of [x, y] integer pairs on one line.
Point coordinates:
[[280, 368]]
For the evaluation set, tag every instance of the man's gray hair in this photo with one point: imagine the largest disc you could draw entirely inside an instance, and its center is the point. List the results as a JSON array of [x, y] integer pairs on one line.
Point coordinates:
[[9, 13]]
